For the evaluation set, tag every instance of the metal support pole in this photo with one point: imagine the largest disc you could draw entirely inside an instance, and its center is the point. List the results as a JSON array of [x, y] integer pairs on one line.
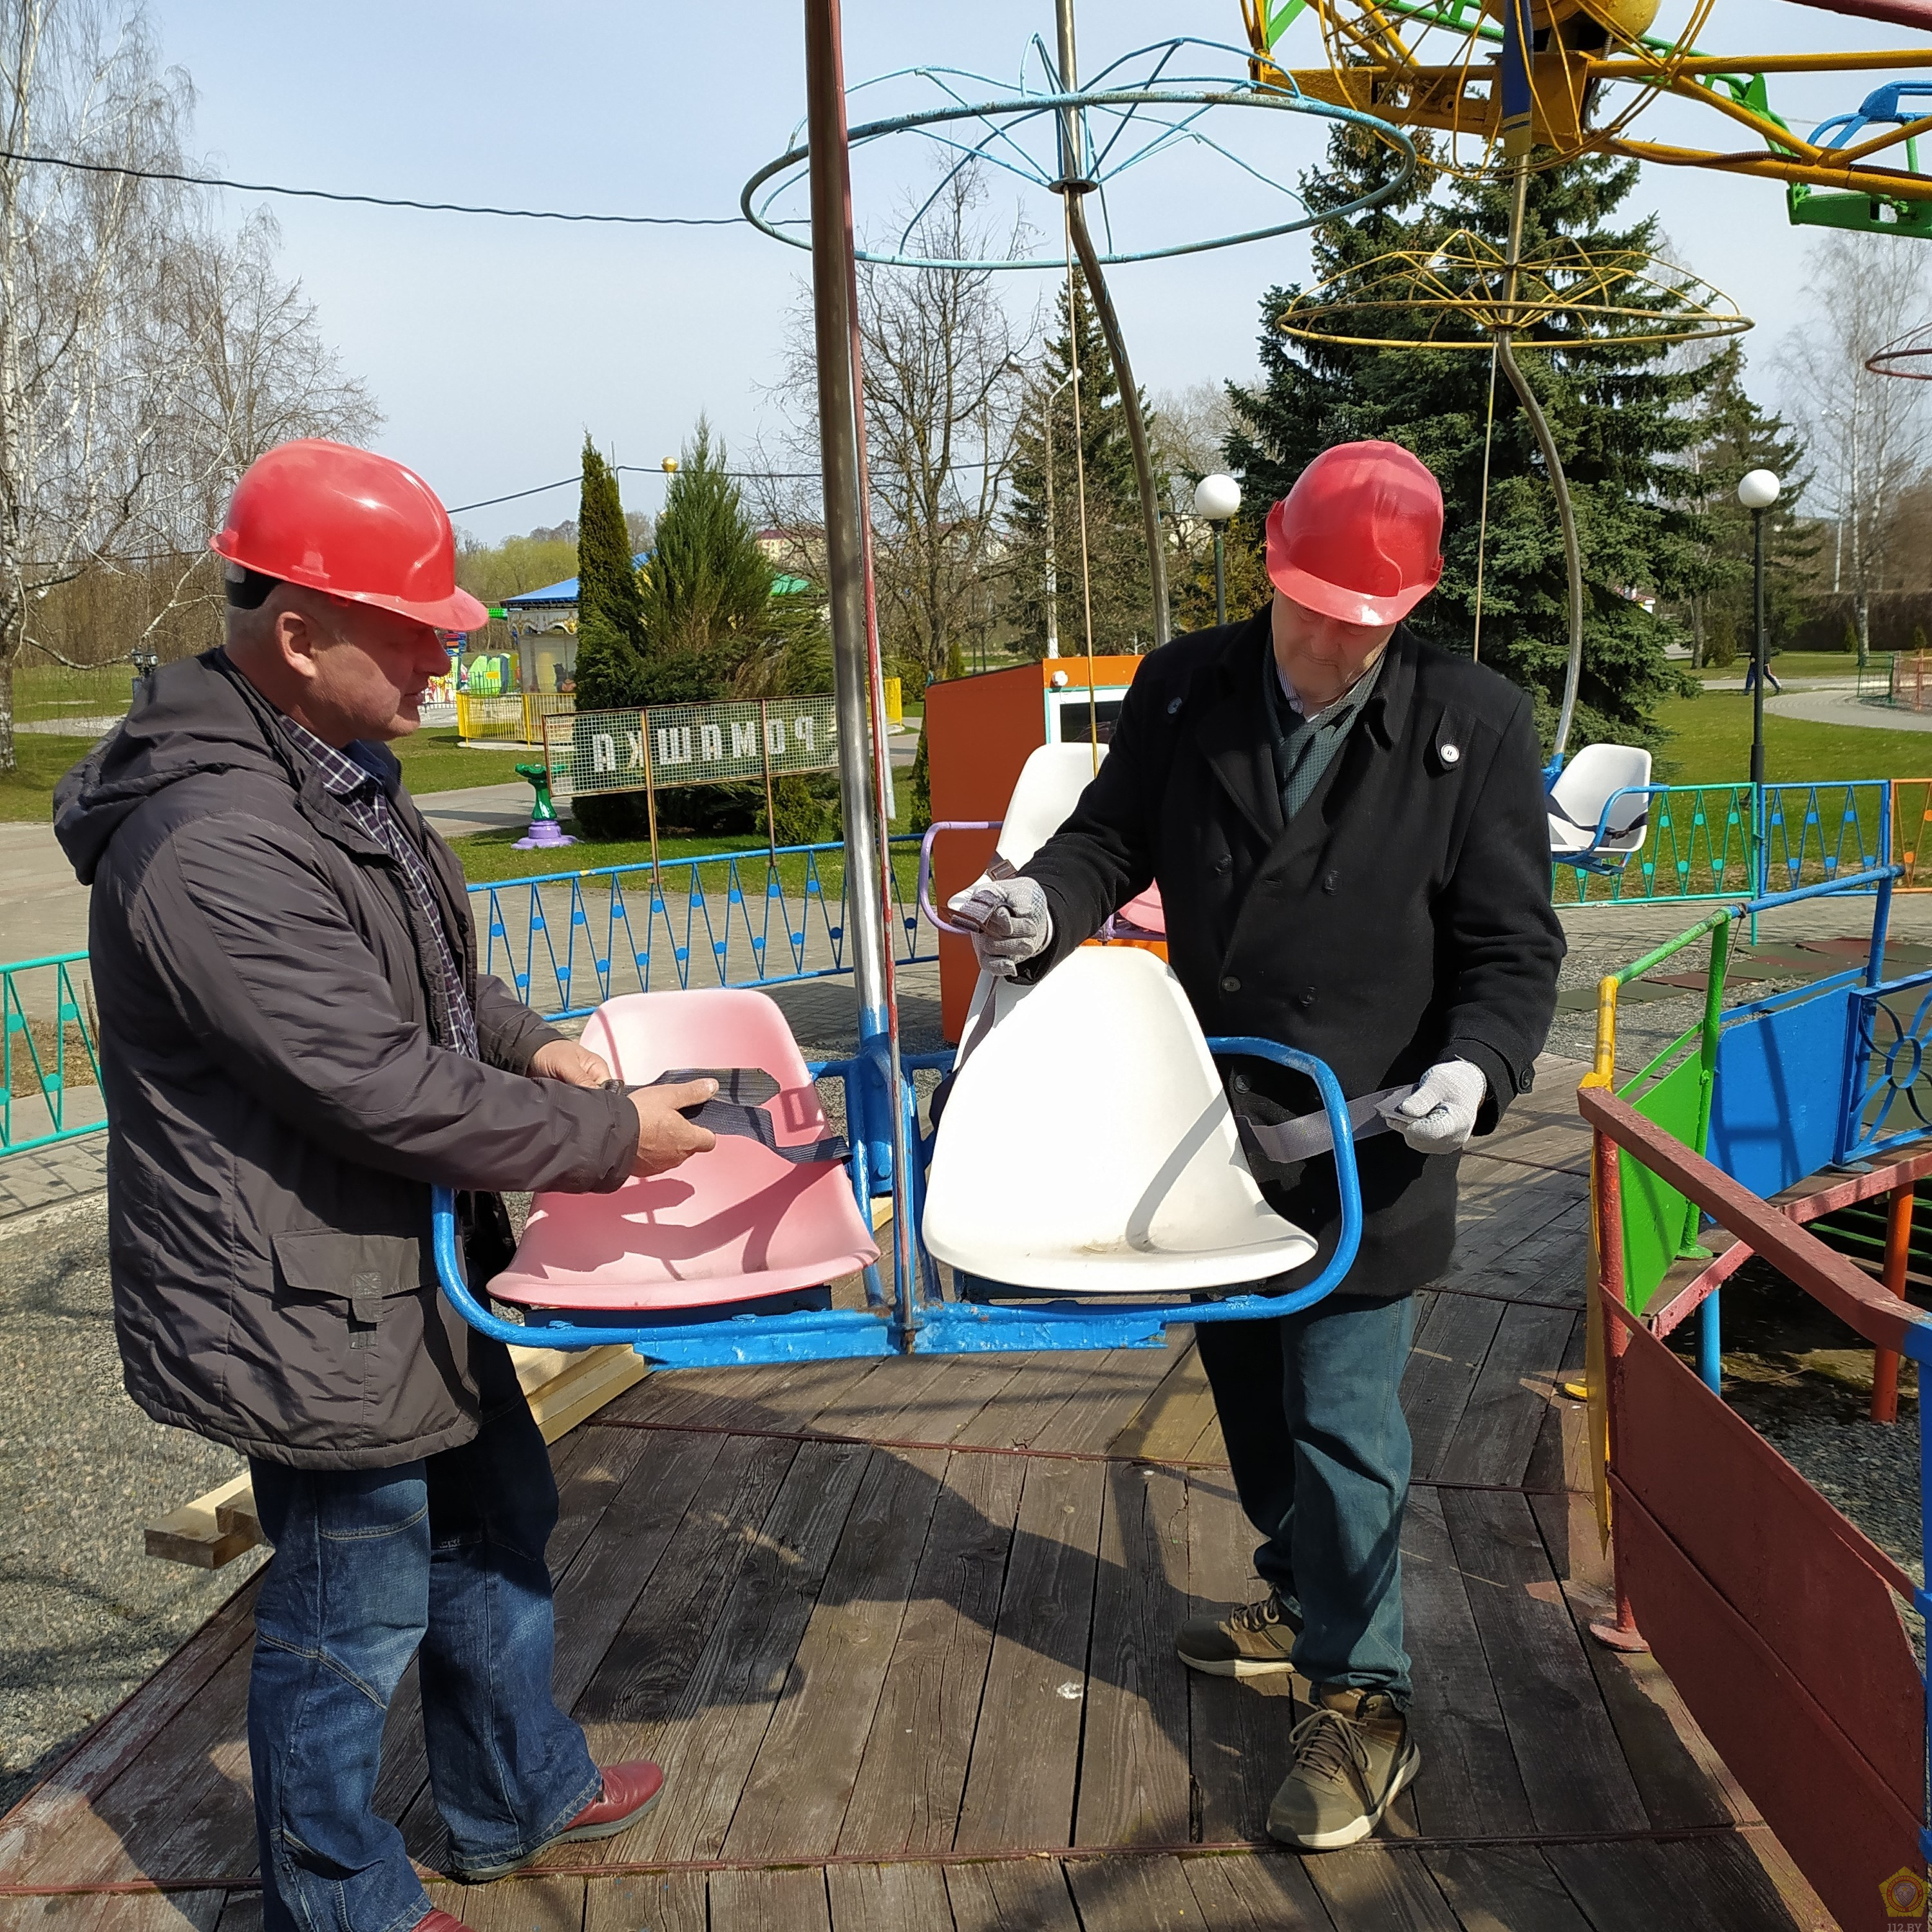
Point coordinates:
[[1622, 1633], [1897, 1259], [1757, 648], [845, 538], [1220, 578], [1074, 184]]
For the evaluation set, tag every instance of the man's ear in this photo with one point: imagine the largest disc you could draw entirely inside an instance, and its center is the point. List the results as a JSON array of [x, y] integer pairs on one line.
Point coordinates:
[[297, 638]]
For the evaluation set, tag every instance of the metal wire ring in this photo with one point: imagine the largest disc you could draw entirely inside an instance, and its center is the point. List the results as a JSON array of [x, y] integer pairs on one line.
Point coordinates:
[[1392, 137]]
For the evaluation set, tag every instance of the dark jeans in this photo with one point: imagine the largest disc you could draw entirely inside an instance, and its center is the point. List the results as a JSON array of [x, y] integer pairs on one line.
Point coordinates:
[[443, 1557], [1319, 1447]]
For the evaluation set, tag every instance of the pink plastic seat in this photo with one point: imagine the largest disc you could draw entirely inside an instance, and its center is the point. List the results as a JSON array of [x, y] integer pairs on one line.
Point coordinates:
[[1144, 912], [734, 1225]]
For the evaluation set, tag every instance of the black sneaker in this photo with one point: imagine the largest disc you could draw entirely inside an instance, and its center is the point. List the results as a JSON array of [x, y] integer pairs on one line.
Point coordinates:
[[1352, 1755], [1257, 1640]]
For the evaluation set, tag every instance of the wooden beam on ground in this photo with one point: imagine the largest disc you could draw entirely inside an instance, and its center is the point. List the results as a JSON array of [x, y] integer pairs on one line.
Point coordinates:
[[564, 1387]]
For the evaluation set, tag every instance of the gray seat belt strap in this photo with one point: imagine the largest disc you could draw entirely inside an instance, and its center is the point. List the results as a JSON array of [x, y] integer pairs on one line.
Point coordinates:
[[1307, 1134]]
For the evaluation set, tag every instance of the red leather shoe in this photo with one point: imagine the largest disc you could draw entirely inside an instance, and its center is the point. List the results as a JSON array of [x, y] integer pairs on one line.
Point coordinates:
[[439, 1920], [629, 1791]]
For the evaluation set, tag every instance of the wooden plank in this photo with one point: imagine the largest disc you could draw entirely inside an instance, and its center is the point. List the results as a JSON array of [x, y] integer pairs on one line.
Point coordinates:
[[1178, 1371], [1697, 1885], [795, 1798], [1134, 1784], [1508, 1886], [194, 1534], [1679, 1775], [941, 1409], [1444, 1359], [1020, 1786], [181, 1807], [888, 1898], [1572, 1768], [746, 1668], [770, 1900], [1033, 1399], [538, 1903], [66, 1795], [1132, 1894], [639, 1679], [1498, 1428], [1031, 1897], [591, 1470], [1370, 1888], [912, 1775], [1238, 1731], [1169, 1424], [893, 1385], [140, 1912], [1245, 1892], [614, 1565], [243, 1912], [1469, 1782], [647, 1902]]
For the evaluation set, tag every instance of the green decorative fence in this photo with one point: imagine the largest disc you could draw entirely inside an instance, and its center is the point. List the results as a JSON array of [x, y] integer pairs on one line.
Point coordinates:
[[50, 1057]]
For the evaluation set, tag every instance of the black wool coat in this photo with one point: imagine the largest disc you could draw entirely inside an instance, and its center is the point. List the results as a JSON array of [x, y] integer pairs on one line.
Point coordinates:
[[1403, 918]]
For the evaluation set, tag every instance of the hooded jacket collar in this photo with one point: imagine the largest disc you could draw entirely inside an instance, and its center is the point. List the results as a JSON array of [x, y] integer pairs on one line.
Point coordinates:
[[198, 716]]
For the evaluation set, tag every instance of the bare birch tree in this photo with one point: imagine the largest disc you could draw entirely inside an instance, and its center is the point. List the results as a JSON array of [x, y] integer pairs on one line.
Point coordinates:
[[1860, 430], [943, 379]]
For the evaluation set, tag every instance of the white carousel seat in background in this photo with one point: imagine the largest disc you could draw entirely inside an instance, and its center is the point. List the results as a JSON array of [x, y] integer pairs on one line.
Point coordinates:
[[734, 1225], [1087, 1147], [1587, 783]]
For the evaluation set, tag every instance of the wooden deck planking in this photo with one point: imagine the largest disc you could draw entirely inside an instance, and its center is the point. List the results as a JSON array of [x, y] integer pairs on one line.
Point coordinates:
[[865, 1668]]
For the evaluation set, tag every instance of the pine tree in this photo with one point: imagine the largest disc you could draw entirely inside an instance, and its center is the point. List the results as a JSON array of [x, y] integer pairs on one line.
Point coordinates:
[[1117, 565], [1623, 416], [610, 622], [1737, 436]]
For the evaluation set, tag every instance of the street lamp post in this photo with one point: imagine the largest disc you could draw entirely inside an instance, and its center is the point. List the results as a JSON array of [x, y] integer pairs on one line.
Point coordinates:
[[1757, 490], [1216, 498], [1052, 569]]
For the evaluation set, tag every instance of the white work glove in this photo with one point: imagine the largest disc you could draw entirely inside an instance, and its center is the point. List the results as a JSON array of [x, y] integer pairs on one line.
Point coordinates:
[[1441, 1115], [1009, 920]]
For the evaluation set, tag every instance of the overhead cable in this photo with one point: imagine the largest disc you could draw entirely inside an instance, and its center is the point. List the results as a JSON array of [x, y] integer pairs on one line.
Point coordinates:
[[369, 200]]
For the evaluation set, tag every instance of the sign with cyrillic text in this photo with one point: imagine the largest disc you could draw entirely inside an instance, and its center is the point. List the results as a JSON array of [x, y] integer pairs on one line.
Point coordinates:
[[656, 748]]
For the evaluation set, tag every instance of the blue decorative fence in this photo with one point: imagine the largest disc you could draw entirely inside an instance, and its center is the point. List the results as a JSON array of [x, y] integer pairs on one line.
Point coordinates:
[[569, 940], [1721, 842]]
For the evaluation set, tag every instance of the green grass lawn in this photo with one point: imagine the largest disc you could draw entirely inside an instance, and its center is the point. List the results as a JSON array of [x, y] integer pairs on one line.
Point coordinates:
[[434, 759], [1794, 664], [1709, 743], [27, 792]]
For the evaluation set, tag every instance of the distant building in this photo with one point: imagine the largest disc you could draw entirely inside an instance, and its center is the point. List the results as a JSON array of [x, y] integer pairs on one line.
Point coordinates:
[[543, 634]]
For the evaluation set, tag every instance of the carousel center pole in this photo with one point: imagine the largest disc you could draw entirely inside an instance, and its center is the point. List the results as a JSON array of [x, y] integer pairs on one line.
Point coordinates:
[[834, 327]]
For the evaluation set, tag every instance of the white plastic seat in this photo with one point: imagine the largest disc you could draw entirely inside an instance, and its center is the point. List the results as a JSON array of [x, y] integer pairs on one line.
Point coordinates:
[[1045, 793], [1088, 1146], [1588, 783]]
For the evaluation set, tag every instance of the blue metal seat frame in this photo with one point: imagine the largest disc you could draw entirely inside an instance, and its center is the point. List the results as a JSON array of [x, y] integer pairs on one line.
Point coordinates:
[[937, 1327]]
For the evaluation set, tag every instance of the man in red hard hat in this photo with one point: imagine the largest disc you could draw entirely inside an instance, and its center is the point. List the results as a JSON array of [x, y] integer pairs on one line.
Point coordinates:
[[297, 1045], [1347, 830]]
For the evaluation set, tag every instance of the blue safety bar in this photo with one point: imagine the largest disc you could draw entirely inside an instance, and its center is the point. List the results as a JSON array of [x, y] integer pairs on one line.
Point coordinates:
[[940, 1327]]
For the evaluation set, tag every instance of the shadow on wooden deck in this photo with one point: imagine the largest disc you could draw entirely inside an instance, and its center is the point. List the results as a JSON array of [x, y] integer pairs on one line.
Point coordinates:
[[901, 1634]]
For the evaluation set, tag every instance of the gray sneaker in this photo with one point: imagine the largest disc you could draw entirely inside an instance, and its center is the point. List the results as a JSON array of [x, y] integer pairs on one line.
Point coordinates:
[[1257, 1640], [1352, 1754]]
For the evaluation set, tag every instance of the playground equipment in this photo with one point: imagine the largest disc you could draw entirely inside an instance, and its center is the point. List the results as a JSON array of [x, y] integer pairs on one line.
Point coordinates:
[[1776, 1619], [545, 830], [1501, 78], [1071, 139]]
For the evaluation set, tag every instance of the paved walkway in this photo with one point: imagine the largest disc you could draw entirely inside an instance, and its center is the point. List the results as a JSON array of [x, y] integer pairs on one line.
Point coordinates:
[[1841, 706]]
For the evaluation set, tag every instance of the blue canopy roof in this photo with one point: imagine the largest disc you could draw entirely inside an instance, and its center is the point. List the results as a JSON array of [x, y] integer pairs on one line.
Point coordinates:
[[563, 592]]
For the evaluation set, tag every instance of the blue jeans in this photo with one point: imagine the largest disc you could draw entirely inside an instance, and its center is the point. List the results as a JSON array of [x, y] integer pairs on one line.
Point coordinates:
[[1310, 1407], [444, 1557]]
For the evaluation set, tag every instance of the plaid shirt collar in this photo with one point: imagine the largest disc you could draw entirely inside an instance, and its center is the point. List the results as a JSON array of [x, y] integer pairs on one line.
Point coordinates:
[[342, 775]]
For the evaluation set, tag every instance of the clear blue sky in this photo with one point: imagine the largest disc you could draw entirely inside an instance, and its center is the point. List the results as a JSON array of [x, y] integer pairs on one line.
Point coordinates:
[[492, 345]]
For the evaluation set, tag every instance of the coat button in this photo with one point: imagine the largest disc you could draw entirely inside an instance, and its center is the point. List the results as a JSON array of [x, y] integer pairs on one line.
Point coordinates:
[[1328, 882], [1450, 754], [1306, 997], [1174, 705], [1231, 985], [1241, 1083], [1221, 866]]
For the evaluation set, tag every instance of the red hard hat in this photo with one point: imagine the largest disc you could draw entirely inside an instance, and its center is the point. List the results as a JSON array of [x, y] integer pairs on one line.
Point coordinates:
[[1360, 536], [355, 524]]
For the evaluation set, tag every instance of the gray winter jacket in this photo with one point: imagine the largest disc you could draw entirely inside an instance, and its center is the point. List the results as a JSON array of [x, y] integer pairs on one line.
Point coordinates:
[[277, 1108]]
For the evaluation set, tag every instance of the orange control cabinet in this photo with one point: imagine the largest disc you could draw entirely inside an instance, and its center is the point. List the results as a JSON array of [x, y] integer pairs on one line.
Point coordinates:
[[979, 731]]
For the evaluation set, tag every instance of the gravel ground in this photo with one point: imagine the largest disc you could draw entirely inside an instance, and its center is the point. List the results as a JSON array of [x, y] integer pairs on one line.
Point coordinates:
[[85, 1614]]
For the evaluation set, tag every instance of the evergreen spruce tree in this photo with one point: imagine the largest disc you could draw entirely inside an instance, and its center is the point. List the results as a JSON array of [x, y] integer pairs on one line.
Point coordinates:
[[1116, 564], [1623, 415], [609, 623], [1737, 436]]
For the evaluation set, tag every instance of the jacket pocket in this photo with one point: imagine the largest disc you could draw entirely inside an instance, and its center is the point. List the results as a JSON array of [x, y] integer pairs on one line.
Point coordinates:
[[360, 1271]]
